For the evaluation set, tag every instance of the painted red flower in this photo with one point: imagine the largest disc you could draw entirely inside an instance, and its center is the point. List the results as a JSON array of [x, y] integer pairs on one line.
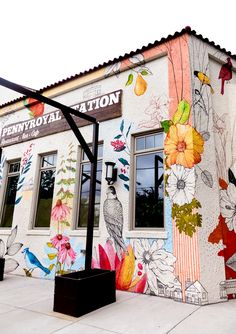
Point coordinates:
[[60, 211], [66, 254], [125, 268], [118, 145], [58, 240], [36, 108]]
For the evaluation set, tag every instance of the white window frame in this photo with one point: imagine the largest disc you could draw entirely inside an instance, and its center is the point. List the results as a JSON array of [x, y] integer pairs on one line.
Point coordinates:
[[143, 232], [79, 230], [6, 175], [36, 196]]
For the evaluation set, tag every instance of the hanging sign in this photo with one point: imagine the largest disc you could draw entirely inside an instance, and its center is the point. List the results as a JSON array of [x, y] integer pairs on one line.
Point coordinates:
[[103, 108]]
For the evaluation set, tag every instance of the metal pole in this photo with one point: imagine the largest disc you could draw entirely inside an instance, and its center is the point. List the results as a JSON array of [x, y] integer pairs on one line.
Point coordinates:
[[92, 194], [67, 111]]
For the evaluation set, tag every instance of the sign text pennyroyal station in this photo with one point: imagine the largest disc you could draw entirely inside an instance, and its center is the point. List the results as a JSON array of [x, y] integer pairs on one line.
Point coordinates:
[[102, 108]]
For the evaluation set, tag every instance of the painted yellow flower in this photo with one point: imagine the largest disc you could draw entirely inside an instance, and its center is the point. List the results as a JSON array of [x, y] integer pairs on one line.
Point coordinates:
[[183, 146]]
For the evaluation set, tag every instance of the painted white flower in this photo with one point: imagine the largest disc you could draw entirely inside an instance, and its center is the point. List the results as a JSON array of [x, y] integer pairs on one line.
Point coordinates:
[[181, 184], [157, 262], [228, 206]]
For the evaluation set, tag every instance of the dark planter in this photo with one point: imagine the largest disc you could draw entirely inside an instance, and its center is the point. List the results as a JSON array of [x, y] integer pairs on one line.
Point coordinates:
[[2, 264], [84, 291]]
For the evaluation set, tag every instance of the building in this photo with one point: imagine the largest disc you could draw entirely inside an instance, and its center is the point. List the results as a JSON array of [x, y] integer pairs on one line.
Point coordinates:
[[167, 121]]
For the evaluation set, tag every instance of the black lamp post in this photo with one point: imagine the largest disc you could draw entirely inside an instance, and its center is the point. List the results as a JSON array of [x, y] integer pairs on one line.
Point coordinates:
[[80, 292]]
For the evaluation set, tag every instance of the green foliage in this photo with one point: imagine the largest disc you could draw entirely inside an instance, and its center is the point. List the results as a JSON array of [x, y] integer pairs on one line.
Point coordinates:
[[186, 217], [67, 167], [182, 113], [130, 79], [166, 125]]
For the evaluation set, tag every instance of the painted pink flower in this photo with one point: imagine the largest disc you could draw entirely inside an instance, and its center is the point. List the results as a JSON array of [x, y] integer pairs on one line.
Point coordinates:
[[118, 145], [60, 211], [66, 254], [58, 240]]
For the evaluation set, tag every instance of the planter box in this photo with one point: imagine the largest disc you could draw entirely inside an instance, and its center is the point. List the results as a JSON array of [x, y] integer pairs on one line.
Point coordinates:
[[84, 291], [2, 264]]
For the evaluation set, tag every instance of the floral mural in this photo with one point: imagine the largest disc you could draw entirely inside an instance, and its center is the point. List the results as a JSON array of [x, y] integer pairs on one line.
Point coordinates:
[[138, 71], [2, 163], [25, 167], [60, 252], [183, 148], [9, 249], [120, 144], [35, 107]]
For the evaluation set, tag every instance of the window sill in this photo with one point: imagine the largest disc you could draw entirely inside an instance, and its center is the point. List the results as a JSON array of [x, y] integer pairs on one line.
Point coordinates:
[[83, 233], [38, 232], [5, 231], [161, 234]]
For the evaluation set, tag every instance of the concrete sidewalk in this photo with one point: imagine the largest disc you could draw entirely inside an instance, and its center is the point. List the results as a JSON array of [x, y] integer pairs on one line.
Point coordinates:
[[26, 307]]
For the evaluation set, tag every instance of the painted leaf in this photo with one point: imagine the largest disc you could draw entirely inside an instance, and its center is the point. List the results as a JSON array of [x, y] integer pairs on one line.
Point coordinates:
[[123, 177], [14, 248], [21, 180], [205, 135], [223, 184], [52, 256], [182, 113], [18, 188], [166, 125], [26, 170], [144, 72], [231, 176], [130, 80], [10, 265], [126, 186], [122, 125], [2, 248], [49, 244], [127, 133], [207, 178], [51, 267], [118, 137], [124, 162], [18, 200], [12, 237], [137, 59], [104, 260]]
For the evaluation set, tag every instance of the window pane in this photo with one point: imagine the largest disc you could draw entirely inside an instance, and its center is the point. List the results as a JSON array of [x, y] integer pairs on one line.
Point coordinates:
[[100, 152], [9, 204], [140, 144], [49, 160], [84, 194], [150, 142], [149, 190], [45, 196], [14, 167], [159, 140]]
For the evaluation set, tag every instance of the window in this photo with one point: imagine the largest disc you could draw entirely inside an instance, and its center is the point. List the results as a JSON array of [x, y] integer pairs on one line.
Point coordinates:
[[45, 192], [10, 194], [85, 169], [148, 181]]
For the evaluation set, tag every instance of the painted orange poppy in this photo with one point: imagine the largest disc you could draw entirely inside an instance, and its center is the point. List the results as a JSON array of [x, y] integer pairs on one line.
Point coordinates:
[[183, 146]]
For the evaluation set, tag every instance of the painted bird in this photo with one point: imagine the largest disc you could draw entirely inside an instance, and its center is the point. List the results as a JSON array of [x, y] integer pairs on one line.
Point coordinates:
[[113, 215], [204, 79], [32, 262], [225, 73]]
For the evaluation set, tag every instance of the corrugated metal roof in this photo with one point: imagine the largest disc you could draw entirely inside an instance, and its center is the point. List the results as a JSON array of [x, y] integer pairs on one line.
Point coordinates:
[[127, 55]]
